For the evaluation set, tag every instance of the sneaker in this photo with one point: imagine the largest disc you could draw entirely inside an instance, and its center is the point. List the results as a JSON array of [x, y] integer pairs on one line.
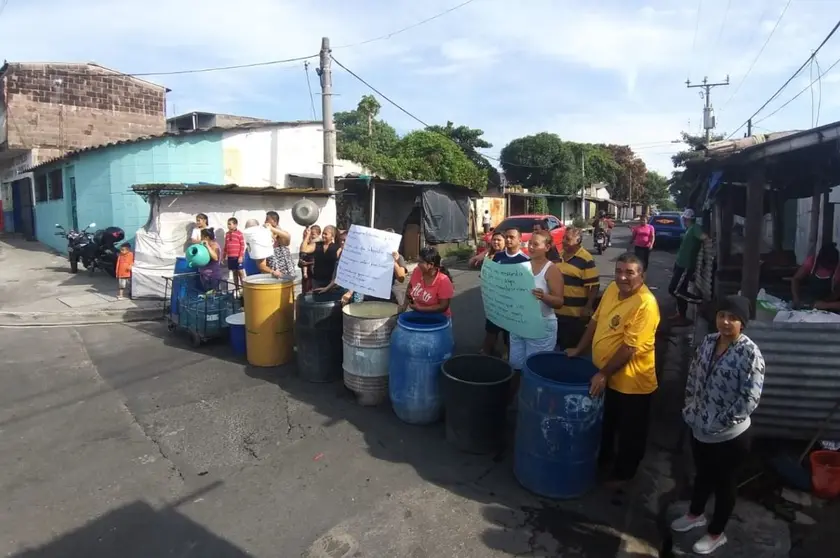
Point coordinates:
[[709, 543], [687, 523]]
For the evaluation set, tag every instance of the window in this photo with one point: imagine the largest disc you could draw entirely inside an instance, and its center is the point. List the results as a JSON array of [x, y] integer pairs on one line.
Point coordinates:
[[553, 223], [56, 184], [41, 190]]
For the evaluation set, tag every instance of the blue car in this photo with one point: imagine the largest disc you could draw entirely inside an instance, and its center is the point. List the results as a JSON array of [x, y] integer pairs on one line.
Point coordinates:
[[668, 227]]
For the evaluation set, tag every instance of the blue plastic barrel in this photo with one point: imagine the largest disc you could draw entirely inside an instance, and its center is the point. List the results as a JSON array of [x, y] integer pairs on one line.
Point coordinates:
[[558, 427], [179, 284], [250, 266], [236, 324], [420, 343]]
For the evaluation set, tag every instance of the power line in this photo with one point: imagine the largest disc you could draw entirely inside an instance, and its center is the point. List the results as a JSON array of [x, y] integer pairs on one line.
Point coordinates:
[[424, 124], [404, 29], [819, 81], [289, 60], [427, 126], [722, 25], [789, 101], [790, 79], [225, 68], [696, 30], [760, 52], [309, 86]]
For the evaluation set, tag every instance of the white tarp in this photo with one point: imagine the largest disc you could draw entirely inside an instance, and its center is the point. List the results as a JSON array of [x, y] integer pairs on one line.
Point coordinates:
[[165, 237]]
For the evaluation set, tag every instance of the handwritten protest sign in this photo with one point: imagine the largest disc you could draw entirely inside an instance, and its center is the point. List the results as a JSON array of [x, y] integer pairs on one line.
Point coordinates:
[[508, 301], [367, 262]]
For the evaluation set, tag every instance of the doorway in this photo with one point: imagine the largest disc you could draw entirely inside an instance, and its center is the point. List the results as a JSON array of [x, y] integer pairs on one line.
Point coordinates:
[[24, 207], [70, 180]]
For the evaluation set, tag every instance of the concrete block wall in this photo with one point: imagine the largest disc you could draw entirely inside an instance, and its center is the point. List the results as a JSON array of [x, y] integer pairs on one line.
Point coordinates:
[[91, 106]]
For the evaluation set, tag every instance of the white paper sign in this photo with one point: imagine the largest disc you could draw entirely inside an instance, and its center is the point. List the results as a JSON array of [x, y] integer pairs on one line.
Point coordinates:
[[367, 261]]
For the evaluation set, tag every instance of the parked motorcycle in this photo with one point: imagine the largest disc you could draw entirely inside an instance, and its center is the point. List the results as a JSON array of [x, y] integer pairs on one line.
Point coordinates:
[[77, 241], [600, 241], [96, 251]]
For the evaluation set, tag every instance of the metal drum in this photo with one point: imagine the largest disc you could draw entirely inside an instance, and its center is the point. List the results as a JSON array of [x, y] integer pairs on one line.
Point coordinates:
[[366, 344]]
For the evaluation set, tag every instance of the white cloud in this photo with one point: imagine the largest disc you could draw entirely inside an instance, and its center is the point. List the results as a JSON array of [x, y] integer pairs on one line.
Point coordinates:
[[608, 71]]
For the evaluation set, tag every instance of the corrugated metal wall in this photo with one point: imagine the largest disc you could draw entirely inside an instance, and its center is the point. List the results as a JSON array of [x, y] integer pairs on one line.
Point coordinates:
[[802, 379]]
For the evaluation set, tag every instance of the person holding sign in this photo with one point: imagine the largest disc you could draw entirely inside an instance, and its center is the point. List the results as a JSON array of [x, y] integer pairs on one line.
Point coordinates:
[[430, 288], [324, 253], [622, 334], [548, 289]]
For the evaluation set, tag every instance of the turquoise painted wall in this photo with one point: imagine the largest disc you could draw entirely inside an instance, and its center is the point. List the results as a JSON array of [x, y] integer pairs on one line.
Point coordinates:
[[47, 214], [104, 179]]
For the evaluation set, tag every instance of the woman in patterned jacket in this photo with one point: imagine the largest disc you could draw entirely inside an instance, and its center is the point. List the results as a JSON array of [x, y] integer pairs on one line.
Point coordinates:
[[722, 391]]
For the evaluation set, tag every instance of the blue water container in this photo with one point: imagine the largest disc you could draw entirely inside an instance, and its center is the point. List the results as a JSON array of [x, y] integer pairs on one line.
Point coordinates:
[[558, 427], [179, 284], [250, 266], [236, 323], [420, 343]]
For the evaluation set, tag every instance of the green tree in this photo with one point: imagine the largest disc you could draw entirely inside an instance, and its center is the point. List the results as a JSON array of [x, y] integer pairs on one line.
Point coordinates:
[[656, 191], [470, 141], [680, 188], [426, 155], [361, 137], [598, 165], [631, 175], [541, 160]]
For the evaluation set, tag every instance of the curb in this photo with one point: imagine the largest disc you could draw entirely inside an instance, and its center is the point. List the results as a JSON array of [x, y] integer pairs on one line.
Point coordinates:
[[51, 319]]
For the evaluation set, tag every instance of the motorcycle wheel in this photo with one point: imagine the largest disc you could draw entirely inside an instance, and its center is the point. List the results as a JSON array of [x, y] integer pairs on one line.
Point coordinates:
[[74, 265]]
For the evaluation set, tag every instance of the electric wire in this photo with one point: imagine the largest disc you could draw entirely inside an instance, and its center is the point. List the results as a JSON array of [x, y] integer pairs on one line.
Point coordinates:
[[408, 28], [426, 125], [819, 97], [758, 55], [790, 79], [696, 30], [299, 58], [806, 88], [309, 86]]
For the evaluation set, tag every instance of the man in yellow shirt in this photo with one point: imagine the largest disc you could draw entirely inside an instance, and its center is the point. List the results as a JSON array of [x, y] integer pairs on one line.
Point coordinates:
[[581, 282], [622, 334]]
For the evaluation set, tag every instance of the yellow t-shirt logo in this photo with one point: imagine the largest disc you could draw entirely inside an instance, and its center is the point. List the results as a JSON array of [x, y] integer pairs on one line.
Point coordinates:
[[615, 321]]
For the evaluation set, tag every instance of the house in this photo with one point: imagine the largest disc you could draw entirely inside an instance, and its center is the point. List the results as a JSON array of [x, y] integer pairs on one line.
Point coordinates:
[[48, 109], [94, 184], [192, 121]]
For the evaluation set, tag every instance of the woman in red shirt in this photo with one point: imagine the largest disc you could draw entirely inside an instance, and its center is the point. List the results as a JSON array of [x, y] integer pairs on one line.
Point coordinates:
[[430, 287], [643, 237], [821, 275]]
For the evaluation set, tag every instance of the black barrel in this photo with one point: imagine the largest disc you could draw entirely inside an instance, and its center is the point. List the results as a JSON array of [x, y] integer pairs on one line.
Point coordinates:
[[318, 326], [476, 390]]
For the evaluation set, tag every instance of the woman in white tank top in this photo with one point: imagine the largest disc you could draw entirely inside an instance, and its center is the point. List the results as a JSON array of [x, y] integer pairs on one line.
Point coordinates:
[[548, 282]]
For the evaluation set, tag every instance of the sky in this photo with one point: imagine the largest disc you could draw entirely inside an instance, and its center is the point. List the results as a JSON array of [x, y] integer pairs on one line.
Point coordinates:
[[606, 71]]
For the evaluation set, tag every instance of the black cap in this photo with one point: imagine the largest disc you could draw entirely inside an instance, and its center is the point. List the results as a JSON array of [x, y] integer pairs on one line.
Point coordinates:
[[738, 306]]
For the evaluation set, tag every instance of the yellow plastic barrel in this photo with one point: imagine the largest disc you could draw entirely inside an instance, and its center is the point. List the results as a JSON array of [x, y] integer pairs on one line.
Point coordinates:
[[269, 320]]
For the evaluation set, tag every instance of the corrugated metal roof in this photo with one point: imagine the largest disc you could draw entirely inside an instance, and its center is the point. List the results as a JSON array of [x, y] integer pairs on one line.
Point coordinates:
[[140, 139], [202, 187], [372, 180]]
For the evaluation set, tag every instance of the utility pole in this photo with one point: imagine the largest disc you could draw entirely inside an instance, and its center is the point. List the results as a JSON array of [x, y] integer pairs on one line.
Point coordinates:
[[583, 186], [749, 127], [325, 73], [708, 114]]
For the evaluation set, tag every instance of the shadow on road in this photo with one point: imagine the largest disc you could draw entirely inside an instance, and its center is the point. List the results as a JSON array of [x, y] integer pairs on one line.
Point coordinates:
[[137, 530]]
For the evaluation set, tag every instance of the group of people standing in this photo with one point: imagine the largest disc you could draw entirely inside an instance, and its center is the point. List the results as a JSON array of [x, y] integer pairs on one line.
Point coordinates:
[[724, 381]]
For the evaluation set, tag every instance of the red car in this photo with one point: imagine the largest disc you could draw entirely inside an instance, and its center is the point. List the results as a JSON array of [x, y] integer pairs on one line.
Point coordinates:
[[525, 224]]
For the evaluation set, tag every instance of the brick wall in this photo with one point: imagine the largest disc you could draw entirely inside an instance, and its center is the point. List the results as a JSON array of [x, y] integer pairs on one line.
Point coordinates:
[[92, 106]]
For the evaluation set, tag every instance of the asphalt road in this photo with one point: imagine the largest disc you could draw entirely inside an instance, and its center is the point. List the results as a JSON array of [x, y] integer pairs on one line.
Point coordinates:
[[122, 440]]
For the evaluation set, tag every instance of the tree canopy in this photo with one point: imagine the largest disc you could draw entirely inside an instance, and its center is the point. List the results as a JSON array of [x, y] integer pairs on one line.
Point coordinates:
[[541, 162], [679, 188]]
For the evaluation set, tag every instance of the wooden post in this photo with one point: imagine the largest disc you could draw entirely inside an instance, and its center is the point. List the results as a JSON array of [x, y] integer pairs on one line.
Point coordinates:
[[778, 222], [828, 219], [814, 229], [753, 233], [727, 221]]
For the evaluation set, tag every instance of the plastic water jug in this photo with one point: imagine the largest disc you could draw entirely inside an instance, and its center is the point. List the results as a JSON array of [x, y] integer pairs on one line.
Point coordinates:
[[260, 242], [198, 255]]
